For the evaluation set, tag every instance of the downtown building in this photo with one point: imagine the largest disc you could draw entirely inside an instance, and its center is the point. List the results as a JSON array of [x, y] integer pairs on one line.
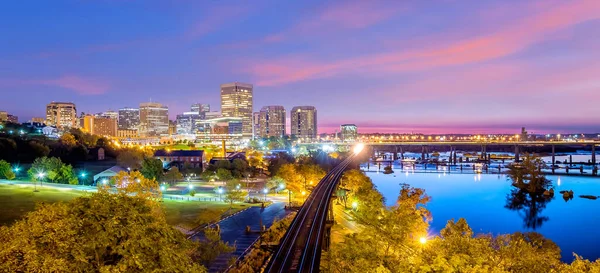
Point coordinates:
[[237, 102], [349, 132], [62, 115], [271, 121], [187, 123], [129, 118], [99, 125], [154, 119], [304, 122]]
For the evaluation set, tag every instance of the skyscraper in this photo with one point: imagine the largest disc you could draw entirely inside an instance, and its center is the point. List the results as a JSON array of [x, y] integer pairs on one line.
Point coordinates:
[[99, 125], [304, 122], [61, 114], [110, 114], [236, 101], [200, 108], [154, 119], [272, 121], [129, 118], [255, 125]]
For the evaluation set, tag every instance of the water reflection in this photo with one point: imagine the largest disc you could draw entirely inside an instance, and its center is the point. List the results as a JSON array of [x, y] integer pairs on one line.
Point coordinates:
[[529, 206]]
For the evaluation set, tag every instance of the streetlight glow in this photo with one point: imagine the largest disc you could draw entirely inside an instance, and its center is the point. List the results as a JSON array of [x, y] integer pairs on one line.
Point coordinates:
[[266, 190], [354, 205], [104, 181], [41, 175], [191, 187], [423, 240], [358, 148]]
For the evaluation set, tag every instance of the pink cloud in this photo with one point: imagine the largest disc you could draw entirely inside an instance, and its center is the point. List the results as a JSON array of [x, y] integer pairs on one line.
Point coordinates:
[[78, 84], [511, 38], [213, 19]]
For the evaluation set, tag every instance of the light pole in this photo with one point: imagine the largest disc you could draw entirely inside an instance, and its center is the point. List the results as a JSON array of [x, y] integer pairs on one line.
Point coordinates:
[[40, 177], [220, 192], [83, 174], [265, 190]]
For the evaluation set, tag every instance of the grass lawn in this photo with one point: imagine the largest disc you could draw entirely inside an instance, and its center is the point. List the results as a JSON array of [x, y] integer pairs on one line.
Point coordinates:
[[16, 201]]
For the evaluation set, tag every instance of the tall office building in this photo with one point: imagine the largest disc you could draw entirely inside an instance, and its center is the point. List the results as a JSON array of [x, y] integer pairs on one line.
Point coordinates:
[[304, 122], [129, 118], [61, 114], [154, 119], [187, 123], [349, 132], [271, 121], [236, 101], [200, 108], [3, 116]]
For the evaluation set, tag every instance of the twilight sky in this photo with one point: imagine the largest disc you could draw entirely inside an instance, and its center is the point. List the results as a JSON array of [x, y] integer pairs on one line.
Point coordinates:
[[387, 66]]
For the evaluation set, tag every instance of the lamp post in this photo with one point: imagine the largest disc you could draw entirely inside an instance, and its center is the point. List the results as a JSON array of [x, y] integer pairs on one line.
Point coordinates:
[[82, 175], [265, 190], [40, 177], [220, 192]]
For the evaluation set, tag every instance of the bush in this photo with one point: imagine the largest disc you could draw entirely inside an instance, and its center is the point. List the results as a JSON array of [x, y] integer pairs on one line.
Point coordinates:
[[192, 193]]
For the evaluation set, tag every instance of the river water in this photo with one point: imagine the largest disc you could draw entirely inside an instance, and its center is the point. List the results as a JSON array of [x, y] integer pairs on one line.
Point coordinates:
[[489, 204]]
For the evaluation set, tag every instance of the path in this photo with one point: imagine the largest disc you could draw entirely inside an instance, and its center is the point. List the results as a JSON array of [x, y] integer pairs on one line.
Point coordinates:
[[233, 230]]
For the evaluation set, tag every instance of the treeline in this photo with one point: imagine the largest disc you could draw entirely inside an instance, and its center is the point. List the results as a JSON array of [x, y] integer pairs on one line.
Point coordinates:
[[72, 147]]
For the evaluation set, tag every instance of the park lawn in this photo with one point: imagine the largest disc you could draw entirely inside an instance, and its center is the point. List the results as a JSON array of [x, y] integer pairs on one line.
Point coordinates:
[[190, 214], [16, 201]]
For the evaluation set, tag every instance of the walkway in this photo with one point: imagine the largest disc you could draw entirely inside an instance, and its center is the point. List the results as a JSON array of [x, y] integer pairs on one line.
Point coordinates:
[[233, 230]]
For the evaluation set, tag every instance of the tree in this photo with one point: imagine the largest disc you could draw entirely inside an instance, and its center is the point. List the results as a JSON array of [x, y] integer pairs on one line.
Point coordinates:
[[152, 168], [134, 183], [173, 175], [54, 169], [293, 182], [39, 149], [224, 174], [212, 247], [234, 193], [6, 171], [239, 167], [310, 174], [129, 158], [68, 140], [102, 232], [528, 175]]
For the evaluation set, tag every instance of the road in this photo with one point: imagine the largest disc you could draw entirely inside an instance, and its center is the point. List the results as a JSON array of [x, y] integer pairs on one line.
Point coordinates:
[[300, 248], [233, 230]]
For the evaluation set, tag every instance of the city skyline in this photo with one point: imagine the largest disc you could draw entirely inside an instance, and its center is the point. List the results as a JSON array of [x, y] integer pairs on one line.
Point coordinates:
[[490, 67]]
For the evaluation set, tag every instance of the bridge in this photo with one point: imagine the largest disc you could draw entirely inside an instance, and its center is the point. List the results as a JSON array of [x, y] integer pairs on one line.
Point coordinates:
[[300, 248]]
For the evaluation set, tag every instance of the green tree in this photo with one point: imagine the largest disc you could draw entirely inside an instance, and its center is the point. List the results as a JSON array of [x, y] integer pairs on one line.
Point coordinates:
[[152, 168], [173, 175], [224, 174], [239, 167], [234, 192], [293, 182], [53, 169], [6, 171], [211, 248], [527, 175], [102, 232], [39, 149]]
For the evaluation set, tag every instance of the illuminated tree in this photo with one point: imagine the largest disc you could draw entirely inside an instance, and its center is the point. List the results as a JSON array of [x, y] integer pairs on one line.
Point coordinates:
[[6, 171], [152, 168], [173, 175], [102, 232], [234, 192], [68, 140]]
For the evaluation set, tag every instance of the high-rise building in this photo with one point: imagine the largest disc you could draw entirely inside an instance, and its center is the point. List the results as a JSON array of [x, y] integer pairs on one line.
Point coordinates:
[[200, 108], [304, 122], [99, 125], [272, 121], [236, 101], [212, 115], [187, 123], [61, 114], [349, 132], [129, 118], [154, 119]]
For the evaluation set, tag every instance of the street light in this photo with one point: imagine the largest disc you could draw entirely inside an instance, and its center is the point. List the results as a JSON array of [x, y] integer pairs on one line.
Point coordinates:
[[358, 148], [355, 205], [104, 181], [265, 190], [40, 177], [423, 240], [220, 191]]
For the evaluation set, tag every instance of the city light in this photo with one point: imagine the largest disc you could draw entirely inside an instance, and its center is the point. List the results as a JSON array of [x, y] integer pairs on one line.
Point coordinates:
[[83, 174], [191, 187], [303, 193], [358, 148], [423, 240], [16, 169], [266, 190], [41, 175], [238, 186], [355, 205], [281, 186], [104, 181], [162, 188], [220, 190]]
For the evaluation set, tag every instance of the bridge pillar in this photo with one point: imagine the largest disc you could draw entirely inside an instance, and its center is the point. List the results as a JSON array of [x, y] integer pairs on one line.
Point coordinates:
[[594, 154], [328, 224], [517, 159], [570, 160], [455, 157], [553, 159], [482, 152], [395, 154], [423, 152], [401, 152]]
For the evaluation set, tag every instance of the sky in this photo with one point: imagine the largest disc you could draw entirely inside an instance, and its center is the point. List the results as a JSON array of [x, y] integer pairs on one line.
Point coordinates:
[[388, 66]]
